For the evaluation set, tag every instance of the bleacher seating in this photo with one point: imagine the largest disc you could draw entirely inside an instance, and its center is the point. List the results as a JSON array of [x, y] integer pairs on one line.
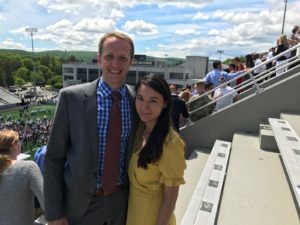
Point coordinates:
[[202, 208], [289, 146]]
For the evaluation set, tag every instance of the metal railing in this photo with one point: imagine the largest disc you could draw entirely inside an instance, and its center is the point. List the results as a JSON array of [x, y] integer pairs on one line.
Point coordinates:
[[253, 81]]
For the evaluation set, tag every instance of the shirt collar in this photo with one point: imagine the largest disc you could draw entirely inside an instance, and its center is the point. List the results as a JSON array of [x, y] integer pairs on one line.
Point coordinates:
[[105, 90]]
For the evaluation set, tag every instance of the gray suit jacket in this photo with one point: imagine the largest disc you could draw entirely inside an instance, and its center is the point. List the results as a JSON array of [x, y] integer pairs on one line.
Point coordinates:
[[71, 157]]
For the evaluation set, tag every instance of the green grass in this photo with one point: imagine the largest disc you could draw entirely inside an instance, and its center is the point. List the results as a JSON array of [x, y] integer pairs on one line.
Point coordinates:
[[15, 114]]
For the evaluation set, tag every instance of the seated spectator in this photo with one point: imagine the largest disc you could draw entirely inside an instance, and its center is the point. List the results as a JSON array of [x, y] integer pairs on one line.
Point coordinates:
[[179, 109], [185, 95], [223, 90], [197, 101], [20, 181]]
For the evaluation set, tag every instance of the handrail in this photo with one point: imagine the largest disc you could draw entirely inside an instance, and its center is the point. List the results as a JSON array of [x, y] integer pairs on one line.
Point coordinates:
[[253, 81]]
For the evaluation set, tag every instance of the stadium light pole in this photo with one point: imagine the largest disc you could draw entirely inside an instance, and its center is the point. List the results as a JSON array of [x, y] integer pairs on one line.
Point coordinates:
[[283, 22], [220, 52], [32, 31]]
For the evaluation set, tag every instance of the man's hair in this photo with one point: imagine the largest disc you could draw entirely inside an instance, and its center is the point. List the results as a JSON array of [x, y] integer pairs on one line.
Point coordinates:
[[118, 35], [295, 28], [232, 65], [216, 64]]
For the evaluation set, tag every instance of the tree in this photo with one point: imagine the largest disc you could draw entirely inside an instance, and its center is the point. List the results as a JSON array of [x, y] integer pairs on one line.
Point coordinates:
[[37, 78], [27, 62], [19, 81], [45, 72], [2, 77], [55, 79], [23, 73]]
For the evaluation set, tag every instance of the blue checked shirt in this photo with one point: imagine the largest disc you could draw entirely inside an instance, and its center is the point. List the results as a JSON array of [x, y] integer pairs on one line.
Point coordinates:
[[104, 105]]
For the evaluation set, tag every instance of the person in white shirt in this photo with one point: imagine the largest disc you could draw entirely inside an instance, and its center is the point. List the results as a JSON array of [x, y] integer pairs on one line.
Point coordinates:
[[257, 61], [224, 89]]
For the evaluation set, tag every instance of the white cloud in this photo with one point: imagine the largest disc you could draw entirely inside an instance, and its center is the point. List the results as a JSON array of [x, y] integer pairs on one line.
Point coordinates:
[[61, 26], [10, 44], [2, 17], [117, 14], [140, 27], [95, 25], [214, 32], [200, 16], [185, 32]]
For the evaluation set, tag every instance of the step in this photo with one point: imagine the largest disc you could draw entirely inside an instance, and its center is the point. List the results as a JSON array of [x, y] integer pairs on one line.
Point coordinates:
[[194, 166], [289, 146], [266, 138], [294, 121], [256, 191], [203, 206]]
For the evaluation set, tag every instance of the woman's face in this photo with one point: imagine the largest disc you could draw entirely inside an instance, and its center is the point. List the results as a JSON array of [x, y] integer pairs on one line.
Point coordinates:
[[149, 104]]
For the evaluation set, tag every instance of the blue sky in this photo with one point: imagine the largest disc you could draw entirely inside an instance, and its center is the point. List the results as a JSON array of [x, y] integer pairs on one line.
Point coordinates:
[[175, 28]]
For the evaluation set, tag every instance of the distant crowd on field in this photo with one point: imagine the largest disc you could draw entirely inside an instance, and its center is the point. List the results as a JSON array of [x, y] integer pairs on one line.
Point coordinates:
[[33, 132], [218, 76]]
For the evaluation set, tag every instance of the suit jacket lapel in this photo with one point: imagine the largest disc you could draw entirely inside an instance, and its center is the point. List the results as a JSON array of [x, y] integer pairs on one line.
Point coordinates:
[[134, 121]]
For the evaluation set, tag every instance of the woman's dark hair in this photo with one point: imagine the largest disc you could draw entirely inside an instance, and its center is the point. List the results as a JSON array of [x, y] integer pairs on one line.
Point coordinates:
[[249, 61], [152, 151]]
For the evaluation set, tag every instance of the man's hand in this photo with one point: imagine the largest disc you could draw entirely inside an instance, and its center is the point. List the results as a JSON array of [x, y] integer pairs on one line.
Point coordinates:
[[62, 221]]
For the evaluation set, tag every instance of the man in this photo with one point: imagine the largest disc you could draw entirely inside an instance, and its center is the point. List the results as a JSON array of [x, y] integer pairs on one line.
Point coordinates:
[[213, 76], [75, 160], [196, 102], [179, 108], [231, 95]]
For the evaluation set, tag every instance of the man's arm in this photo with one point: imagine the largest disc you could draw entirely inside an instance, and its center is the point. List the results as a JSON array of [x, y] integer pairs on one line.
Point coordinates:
[[54, 164]]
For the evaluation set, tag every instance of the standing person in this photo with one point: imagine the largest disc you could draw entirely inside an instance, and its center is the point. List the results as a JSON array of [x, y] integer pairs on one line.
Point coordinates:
[[179, 109], [19, 182], [77, 185], [157, 164], [282, 46], [257, 61], [231, 95], [239, 67], [213, 76]]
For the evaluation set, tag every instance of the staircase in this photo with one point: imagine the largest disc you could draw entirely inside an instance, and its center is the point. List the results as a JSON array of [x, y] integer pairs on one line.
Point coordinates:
[[261, 182], [258, 187]]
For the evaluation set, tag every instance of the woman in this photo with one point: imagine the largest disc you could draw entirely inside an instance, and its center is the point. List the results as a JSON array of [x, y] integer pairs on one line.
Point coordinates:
[[157, 164], [19, 182], [282, 46]]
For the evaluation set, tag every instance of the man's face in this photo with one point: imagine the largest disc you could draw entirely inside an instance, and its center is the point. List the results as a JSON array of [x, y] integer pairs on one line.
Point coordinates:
[[115, 61]]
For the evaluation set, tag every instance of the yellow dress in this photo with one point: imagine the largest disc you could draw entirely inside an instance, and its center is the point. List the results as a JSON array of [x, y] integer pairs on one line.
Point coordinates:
[[146, 186]]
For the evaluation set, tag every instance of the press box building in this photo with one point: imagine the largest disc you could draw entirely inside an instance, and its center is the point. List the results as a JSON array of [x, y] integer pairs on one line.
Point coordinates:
[[182, 73]]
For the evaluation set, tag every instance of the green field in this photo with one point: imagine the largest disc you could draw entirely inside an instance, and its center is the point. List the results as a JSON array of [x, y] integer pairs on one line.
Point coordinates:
[[15, 114]]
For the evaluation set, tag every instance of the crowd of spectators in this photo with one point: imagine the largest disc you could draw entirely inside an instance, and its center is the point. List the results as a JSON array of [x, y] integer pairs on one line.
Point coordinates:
[[195, 96], [33, 132]]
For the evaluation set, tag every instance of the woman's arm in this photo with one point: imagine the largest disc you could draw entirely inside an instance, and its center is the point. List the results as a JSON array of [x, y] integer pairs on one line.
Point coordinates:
[[167, 205]]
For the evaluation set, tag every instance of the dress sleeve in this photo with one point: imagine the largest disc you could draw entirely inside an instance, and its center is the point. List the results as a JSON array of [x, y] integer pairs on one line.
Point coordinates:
[[172, 162]]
